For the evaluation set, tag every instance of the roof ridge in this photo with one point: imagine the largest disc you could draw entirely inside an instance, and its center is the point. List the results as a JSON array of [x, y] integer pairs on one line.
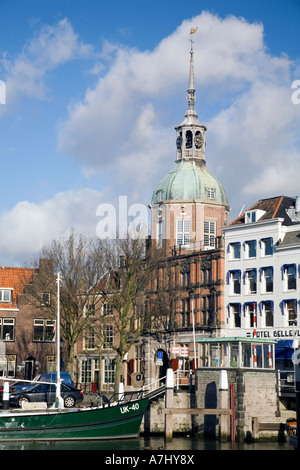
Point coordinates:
[[277, 207]]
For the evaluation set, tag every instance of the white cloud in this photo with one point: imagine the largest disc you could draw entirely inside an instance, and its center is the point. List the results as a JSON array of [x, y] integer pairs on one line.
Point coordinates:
[[52, 47], [118, 126], [28, 226]]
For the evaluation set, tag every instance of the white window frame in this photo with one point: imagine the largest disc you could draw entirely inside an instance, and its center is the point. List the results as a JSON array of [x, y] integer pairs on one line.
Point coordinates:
[[264, 279], [263, 245], [211, 193], [5, 295], [287, 310], [287, 277], [232, 251], [247, 245], [160, 233], [249, 279], [233, 280], [209, 233], [183, 232]]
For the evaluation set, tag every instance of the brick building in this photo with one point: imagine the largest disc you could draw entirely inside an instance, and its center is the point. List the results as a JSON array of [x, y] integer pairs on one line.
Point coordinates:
[[27, 330]]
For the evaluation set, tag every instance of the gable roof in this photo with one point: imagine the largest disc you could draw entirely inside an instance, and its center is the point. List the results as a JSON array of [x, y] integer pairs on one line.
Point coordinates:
[[273, 207], [15, 279]]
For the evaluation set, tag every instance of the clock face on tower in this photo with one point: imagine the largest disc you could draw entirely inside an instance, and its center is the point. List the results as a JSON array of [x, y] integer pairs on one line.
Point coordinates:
[[198, 140]]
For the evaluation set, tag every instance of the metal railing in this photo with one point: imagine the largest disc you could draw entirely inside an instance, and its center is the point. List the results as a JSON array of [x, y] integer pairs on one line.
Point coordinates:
[[286, 383]]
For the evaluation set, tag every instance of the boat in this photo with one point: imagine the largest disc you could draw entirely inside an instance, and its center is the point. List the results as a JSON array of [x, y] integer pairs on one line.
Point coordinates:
[[120, 418], [291, 429]]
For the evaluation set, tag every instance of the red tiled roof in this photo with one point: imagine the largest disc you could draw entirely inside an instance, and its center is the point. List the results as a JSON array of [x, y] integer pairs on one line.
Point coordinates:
[[273, 207], [14, 278]]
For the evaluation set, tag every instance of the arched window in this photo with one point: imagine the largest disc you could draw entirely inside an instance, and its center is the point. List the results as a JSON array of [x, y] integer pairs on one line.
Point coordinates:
[[188, 139]]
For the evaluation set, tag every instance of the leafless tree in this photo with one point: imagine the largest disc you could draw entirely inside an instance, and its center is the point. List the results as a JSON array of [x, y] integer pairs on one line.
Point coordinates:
[[128, 270], [80, 272]]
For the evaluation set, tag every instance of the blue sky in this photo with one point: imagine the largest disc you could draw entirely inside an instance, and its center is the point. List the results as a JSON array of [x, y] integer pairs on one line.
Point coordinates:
[[94, 90]]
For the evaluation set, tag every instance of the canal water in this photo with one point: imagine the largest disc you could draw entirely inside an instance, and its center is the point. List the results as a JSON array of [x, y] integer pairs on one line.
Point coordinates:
[[149, 445]]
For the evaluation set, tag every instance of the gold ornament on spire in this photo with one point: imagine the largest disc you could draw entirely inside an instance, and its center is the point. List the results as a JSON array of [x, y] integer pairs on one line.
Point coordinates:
[[193, 30]]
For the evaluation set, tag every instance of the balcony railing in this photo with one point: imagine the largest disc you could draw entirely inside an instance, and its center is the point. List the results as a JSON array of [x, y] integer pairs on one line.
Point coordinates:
[[215, 243]]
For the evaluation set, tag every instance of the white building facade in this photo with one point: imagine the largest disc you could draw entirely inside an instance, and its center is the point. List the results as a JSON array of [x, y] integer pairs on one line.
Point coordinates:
[[262, 272]]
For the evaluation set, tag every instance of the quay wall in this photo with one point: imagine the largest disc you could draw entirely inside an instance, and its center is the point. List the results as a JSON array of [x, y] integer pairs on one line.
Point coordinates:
[[255, 401], [255, 397], [154, 419]]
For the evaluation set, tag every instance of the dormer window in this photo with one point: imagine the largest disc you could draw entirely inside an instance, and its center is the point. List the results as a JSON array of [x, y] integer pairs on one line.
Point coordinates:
[[253, 216], [160, 195], [211, 193]]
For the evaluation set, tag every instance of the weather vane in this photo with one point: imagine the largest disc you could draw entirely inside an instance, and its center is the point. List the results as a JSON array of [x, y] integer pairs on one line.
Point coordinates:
[[192, 31]]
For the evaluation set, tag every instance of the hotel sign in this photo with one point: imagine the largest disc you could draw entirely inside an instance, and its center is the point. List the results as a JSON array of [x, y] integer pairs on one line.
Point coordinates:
[[275, 333]]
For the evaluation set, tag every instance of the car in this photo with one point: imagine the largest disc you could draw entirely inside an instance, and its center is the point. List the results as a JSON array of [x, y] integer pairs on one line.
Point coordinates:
[[46, 393], [50, 377]]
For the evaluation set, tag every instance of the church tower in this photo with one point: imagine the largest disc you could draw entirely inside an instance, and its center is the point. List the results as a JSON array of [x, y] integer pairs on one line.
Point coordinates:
[[189, 205]]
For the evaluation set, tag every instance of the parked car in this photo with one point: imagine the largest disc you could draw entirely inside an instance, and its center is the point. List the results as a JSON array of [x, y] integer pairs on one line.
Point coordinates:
[[46, 393], [51, 377]]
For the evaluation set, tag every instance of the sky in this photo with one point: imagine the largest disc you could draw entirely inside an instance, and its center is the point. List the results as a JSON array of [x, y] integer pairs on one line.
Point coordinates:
[[95, 88]]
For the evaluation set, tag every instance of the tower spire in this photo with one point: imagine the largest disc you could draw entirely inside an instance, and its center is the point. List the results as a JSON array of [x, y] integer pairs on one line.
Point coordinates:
[[190, 140], [191, 97]]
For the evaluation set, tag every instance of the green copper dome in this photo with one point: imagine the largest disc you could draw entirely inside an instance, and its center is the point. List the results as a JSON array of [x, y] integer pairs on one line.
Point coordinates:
[[189, 180]]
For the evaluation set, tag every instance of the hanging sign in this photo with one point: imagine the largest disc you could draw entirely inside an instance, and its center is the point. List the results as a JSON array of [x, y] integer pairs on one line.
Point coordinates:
[[181, 351]]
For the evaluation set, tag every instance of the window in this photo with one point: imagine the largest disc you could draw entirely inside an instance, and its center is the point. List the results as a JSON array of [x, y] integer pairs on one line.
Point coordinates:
[[109, 334], [253, 216], [186, 278], [183, 232], [90, 338], [160, 232], [250, 249], [210, 193], [189, 139], [235, 281], [209, 234], [250, 281], [43, 330], [205, 310], [5, 295], [107, 310], [138, 358], [45, 299], [250, 217], [109, 371], [234, 250], [185, 312], [290, 310], [86, 370], [249, 314], [267, 280], [8, 365], [289, 276], [206, 276], [235, 313], [90, 310], [267, 246], [160, 195], [267, 310], [7, 331]]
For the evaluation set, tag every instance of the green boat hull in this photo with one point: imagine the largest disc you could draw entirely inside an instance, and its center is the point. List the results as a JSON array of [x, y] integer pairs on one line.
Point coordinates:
[[113, 422]]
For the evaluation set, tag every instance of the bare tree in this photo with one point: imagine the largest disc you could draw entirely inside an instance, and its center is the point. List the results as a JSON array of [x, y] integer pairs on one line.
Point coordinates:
[[128, 271], [81, 273]]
